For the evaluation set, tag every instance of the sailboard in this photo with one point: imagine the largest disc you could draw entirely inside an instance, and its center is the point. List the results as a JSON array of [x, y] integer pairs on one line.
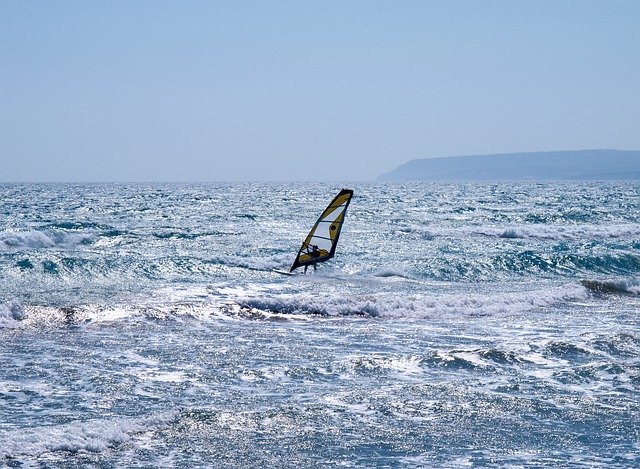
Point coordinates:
[[321, 242]]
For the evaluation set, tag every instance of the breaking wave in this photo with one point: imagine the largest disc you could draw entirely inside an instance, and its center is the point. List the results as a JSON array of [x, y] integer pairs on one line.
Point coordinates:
[[567, 232], [417, 306], [278, 304], [574, 232], [616, 287], [93, 436], [35, 239], [11, 315]]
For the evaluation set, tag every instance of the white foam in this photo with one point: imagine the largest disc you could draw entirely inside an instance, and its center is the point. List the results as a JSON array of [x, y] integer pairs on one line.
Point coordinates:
[[89, 436], [334, 303], [34, 239], [305, 299], [544, 232], [470, 357], [359, 409], [11, 315], [275, 261], [632, 285], [50, 316], [572, 232], [392, 273], [162, 376], [404, 365]]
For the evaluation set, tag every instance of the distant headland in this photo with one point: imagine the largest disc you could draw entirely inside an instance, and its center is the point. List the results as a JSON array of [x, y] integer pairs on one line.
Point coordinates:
[[582, 165]]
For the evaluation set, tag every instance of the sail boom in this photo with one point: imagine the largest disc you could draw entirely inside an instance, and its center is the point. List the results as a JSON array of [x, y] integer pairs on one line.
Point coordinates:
[[322, 237]]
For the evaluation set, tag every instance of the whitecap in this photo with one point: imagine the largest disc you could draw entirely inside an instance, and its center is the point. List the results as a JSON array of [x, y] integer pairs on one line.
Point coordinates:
[[334, 304], [11, 314], [35, 239], [96, 435]]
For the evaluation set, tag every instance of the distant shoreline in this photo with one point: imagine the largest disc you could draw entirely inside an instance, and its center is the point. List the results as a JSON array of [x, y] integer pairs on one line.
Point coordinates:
[[578, 166]]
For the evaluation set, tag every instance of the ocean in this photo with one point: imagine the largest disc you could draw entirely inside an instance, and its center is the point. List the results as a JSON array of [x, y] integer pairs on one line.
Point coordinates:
[[141, 325]]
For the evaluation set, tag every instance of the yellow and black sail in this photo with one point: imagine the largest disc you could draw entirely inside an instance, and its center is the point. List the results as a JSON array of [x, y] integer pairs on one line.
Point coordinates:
[[320, 244]]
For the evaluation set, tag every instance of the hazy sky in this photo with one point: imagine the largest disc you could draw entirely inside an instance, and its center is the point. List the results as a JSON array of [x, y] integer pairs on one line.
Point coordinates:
[[306, 90]]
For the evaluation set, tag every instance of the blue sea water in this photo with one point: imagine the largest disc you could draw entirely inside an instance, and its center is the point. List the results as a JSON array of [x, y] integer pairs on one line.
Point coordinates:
[[458, 325]]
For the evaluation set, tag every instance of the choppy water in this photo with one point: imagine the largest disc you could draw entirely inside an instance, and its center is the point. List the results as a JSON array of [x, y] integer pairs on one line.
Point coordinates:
[[486, 324]]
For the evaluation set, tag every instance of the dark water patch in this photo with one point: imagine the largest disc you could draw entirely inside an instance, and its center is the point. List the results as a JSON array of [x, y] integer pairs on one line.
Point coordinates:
[[113, 233], [570, 263], [241, 311], [624, 263], [50, 267], [525, 261], [257, 306], [562, 247], [455, 360], [577, 216], [579, 375], [391, 274], [566, 350], [500, 356], [622, 345], [77, 226], [151, 313], [191, 235], [536, 218], [510, 234], [366, 365], [246, 216], [73, 263], [303, 373], [73, 316], [464, 209], [612, 369], [607, 287], [24, 264], [452, 265], [609, 372], [149, 271], [176, 235]]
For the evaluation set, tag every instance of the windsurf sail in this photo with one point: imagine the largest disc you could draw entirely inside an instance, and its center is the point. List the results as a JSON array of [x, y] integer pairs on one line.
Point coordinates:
[[321, 242]]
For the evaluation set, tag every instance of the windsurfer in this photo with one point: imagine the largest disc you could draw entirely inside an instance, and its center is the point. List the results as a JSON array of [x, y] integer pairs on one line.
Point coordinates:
[[314, 251], [325, 232]]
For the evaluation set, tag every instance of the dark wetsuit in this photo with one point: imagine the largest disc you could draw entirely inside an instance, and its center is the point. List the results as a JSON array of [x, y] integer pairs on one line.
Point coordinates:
[[313, 251]]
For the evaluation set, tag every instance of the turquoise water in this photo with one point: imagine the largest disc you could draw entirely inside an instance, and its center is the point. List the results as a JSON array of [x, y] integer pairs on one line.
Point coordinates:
[[458, 324]]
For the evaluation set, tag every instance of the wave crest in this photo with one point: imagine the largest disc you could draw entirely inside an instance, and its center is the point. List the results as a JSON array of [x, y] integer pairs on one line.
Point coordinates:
[[89, 436], [34, 239], [613, 287], [11, 314]]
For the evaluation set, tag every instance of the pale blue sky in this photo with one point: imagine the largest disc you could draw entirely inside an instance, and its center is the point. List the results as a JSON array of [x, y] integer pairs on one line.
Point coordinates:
[[306, 90]]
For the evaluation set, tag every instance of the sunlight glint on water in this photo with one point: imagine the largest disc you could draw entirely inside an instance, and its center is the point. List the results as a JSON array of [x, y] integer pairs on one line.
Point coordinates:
[[486, 324]]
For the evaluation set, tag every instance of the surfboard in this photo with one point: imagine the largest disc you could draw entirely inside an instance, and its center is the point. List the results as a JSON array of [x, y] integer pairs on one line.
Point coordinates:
[[283, 272]]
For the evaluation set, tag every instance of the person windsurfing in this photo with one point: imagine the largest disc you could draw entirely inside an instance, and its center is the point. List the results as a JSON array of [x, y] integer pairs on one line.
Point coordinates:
[[313, 251], [320, 244]]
